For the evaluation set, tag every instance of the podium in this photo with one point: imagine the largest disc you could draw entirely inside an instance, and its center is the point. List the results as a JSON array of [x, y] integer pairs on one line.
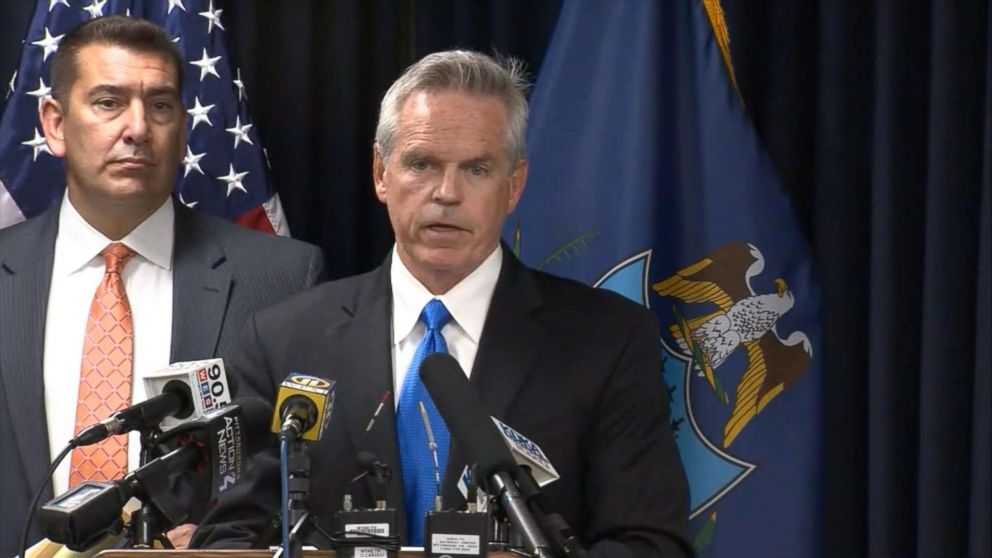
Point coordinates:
[[245, 554]]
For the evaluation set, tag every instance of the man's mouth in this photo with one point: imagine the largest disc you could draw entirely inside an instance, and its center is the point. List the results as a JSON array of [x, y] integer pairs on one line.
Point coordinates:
[[133, 162], [443, 228]]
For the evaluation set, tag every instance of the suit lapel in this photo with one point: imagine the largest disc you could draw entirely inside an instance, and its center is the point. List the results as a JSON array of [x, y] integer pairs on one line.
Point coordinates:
[[511, 341], [366, 373], [25, 278], [201, 284]]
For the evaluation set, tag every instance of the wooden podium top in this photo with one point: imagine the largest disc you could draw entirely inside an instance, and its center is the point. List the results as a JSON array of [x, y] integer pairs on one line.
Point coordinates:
[[247, 554]]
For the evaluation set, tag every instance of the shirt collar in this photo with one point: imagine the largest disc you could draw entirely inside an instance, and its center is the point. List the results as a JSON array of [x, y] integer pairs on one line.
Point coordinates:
[[468, 301], [152, 239]]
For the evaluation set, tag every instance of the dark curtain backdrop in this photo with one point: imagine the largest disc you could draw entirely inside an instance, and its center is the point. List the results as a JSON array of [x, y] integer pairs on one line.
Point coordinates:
[[878, 117]]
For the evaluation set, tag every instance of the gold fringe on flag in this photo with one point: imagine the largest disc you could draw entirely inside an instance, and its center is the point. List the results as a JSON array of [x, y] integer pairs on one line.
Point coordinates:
[[715, 14]]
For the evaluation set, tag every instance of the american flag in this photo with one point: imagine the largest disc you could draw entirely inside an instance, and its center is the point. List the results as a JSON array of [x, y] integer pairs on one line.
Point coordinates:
[[224, 171]]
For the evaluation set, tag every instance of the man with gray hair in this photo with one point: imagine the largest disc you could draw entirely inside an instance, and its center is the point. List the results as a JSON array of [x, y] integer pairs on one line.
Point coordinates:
[[575, 369]]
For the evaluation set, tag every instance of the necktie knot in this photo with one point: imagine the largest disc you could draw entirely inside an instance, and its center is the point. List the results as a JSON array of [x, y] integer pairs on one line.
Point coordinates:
[[116, 256], [435, 315]]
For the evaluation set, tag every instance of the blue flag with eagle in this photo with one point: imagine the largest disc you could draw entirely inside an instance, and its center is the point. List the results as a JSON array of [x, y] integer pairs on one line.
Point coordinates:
[[647, 179], [224, 171]]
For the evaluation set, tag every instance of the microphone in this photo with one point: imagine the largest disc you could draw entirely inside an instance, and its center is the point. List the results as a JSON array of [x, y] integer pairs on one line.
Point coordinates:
[[527, 454], [461, 408], [378, 409], [177, 392], [432, 445], [205, 380], [304, 406], [381, 473], [176, 400], [446, 382], [368, 531], [205, 458]]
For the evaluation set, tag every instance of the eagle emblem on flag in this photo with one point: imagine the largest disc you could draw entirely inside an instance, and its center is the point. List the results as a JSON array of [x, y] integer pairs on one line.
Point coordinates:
[[736, 317]]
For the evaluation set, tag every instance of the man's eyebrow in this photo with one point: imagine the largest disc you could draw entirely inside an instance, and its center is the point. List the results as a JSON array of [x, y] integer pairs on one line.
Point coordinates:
[[117, 90], [105, 88], [484, 158]]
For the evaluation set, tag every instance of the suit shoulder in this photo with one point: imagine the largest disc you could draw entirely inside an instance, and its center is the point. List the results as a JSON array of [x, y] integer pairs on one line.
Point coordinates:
[[324, 300], [572, 295], [250, 244]]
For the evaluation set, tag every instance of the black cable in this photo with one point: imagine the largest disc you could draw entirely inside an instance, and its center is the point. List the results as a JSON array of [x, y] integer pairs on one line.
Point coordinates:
[[37, 496], [341, 539]]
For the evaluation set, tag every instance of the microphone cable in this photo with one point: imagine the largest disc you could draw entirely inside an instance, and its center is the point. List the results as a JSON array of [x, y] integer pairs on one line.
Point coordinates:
[[353, 539], [284, 478], [37, 497]]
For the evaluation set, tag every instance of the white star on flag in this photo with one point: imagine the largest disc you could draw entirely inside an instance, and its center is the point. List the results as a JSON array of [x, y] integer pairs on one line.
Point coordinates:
[[241, 86], [42, 91], [95, 9], [49, 43], [192, 162], [53, 3], [190, 205], [11, 83], [240, 132], [199, 114], [176, 4], [213, 17], [206, 64], [38, 144], [233, 180]]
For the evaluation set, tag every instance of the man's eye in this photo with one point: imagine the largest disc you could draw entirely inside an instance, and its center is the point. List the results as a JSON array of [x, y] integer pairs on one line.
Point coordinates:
[[478, 170], [161, 106], [107, 103], [418, 165]]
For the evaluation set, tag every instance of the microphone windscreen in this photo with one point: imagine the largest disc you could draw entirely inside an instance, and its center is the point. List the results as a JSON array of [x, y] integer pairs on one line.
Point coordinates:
[[366, 460], [255, 413], [464, 413]]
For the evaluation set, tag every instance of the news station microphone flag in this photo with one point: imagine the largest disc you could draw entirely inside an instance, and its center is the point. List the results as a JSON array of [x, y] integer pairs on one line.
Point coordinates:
[[647, 179], [224, 172]]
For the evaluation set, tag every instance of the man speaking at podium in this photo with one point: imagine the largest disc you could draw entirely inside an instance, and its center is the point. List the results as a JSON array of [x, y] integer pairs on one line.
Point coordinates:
[[117, 280], [575, 369]]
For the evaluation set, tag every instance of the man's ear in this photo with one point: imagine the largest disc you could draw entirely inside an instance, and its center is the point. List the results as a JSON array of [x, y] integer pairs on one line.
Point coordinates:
[[52, 117], [378, 173], [518, 180]]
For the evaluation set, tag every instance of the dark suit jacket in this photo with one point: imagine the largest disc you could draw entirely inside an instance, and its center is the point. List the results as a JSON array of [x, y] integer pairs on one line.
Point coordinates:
[[222, 274], [577, 370]]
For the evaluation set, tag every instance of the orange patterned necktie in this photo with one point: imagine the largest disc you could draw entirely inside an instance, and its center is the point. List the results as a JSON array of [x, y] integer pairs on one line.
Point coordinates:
[[105, 374]]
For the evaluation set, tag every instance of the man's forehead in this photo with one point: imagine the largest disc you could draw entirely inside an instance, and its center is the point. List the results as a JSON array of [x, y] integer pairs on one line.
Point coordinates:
[[427, 102], [102, 64]]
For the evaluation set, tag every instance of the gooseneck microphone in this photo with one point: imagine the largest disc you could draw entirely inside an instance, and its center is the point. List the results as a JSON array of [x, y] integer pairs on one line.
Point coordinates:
[[462, 410]]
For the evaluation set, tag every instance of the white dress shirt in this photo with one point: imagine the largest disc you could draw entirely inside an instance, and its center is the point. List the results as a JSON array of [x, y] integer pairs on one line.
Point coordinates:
[[77, 271], [467, 302]]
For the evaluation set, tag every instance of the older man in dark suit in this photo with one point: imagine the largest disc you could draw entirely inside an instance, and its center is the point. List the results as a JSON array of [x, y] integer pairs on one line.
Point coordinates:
[[575, 369], [117, 280]]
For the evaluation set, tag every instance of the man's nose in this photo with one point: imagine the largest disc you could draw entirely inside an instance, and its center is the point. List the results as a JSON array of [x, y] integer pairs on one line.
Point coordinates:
[[136, 131], [449, 191]]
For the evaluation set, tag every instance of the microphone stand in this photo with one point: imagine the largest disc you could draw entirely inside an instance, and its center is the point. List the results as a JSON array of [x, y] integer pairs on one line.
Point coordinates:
[[145, 526], [301, 522]]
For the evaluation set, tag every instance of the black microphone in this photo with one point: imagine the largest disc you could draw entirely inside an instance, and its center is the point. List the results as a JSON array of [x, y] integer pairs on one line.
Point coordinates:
[[205, 458], [176, 400], [462, 409]]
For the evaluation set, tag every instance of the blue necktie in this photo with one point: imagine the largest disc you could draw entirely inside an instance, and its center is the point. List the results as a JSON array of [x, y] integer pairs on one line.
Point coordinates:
[[416, 458]]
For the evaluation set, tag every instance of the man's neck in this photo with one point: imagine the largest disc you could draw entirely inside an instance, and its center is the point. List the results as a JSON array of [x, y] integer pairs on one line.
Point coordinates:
[[114, 219]]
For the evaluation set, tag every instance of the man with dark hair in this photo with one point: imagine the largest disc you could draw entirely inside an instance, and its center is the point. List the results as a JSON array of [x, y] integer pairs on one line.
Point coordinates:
[[575, 369], [118, 280]]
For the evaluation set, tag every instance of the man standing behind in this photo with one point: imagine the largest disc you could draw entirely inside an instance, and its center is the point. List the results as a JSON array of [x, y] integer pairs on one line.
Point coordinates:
[[575, 369], [118, 280]]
